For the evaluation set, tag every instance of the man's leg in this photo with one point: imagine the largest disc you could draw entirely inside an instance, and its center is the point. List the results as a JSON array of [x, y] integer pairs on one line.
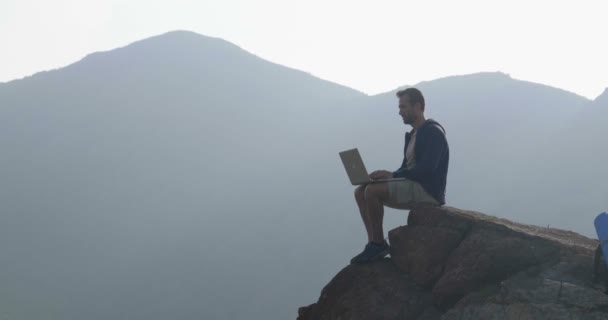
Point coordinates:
[[370, 199], [375, 196], [408, 195], [360, 198], [399, 195]]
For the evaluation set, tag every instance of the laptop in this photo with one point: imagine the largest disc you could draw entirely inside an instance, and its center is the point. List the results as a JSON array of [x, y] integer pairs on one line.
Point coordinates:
[[356, 169]]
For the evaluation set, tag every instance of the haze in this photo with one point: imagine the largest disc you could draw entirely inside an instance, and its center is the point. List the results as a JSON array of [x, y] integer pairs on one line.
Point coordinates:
[[154, 175]]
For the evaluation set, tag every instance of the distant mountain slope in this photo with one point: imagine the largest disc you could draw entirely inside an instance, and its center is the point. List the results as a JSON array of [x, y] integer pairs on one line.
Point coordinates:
[[187, 62], [128, 170], [571, 168]]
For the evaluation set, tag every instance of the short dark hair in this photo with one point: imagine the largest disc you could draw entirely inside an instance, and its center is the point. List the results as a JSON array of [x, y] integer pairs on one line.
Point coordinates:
[[414, 95]]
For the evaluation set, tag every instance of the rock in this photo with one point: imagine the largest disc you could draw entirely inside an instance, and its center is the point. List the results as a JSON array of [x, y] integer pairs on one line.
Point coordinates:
[[454, 264], [422, 251], [373, 291], [442, 217], [525, 297], [490, 253]]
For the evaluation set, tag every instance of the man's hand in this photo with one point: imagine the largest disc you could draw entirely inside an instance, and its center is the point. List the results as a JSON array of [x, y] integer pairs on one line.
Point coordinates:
[[381, 174]]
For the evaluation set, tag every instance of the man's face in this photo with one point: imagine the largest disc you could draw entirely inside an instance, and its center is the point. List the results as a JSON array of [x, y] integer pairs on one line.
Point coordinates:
[[407, 111]]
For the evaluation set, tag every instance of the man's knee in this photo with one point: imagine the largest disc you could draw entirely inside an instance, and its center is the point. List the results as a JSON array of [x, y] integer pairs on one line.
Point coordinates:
[[376, 191]]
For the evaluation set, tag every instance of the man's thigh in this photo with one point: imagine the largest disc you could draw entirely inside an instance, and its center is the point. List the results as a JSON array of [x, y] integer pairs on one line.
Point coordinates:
[[408, 194], [378, 191]]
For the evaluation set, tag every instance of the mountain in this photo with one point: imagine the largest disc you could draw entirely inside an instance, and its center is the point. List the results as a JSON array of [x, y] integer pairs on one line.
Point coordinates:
[[187, 62], [564, 184], [572, 163], [133, 176], [182, 177]]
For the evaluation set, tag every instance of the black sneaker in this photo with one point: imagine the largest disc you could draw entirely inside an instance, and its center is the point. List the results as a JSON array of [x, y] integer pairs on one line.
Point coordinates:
[[372, 252]]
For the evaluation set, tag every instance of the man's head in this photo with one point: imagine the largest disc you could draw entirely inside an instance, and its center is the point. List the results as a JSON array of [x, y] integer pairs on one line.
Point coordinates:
[[411, 105]]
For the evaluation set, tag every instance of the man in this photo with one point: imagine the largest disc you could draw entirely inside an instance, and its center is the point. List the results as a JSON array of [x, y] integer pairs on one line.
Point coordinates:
[[425, 167]]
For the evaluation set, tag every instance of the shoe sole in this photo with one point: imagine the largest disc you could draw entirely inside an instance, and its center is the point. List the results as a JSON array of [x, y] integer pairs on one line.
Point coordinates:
[[377, 257], [380, 255]]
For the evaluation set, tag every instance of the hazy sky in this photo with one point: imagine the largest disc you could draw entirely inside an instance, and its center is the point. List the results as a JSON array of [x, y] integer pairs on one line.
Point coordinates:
[[373, 46]]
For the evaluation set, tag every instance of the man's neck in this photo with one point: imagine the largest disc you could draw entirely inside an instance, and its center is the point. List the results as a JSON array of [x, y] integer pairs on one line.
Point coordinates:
[[418, 123]]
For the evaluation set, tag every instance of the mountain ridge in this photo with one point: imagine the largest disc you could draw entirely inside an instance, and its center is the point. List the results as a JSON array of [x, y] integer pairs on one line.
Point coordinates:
[[491, 77], [185, 36], [178, 52]]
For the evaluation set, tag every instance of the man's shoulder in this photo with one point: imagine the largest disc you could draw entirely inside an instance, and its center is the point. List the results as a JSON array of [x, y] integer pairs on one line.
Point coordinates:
[[431, 125]]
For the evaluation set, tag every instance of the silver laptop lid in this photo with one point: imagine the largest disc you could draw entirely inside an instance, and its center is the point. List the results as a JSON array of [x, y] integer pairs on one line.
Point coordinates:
[[354, 167]]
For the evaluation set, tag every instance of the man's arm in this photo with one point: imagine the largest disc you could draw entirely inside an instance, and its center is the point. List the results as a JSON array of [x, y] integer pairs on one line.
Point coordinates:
[[437, 146]]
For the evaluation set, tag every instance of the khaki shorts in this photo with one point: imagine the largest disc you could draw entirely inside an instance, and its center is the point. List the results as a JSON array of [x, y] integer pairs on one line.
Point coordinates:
[[408, 194]]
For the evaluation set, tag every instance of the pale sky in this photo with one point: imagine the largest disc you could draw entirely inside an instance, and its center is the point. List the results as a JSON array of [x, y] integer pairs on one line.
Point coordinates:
[[372, 46]]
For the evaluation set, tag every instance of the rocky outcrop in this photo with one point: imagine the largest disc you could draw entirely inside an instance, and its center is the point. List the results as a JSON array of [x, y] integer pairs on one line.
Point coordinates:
[[453, 264]]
